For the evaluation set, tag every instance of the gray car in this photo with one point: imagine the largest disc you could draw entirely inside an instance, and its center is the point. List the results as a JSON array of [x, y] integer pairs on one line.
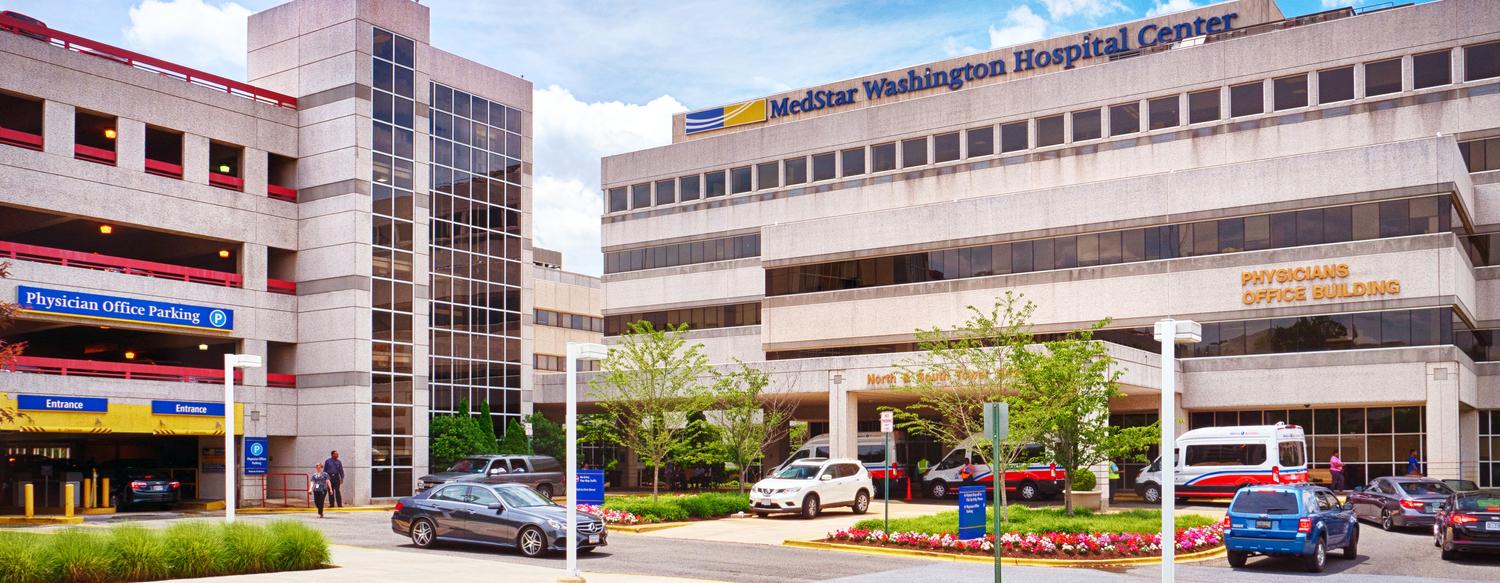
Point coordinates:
[[541, 472], [509, 515], [1399, 502]]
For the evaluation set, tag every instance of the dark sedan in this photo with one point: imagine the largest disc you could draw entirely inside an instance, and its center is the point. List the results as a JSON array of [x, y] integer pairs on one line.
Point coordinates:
[[1468, 521], [145, 487], [509, 515], [1399, 502]]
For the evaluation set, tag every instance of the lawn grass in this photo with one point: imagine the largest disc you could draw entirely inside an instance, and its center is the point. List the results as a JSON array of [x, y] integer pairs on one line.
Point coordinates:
[[182, 550], [1039, 520], [672, 508]]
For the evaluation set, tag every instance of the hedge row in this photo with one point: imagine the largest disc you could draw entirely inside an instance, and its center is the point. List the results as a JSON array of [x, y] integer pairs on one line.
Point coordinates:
[[675, 508], [182, 550]]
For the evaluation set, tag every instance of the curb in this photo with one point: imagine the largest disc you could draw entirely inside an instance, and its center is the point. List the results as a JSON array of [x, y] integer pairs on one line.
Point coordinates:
[[39, 520], [314, 510], [643, 528], [915, 553]]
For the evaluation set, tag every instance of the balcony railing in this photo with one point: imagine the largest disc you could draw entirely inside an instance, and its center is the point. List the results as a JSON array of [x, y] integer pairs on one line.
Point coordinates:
[[20, 138], [66, 258], [134, 371], [92, 47], [225, 181], [166, 169], [281, 286], [281, 193], [93, 154]]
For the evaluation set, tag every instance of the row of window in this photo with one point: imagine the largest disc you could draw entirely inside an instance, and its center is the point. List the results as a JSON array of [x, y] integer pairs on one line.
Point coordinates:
[[1489, 448], [479, 188], [696, 318], [1396, 218], [1373, 442], [672, 255], [1481, 155], [569, 321], [554, 363], [1289, 92]]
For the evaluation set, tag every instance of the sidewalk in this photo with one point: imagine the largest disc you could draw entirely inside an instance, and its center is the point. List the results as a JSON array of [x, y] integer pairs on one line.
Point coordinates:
[[363, 565]]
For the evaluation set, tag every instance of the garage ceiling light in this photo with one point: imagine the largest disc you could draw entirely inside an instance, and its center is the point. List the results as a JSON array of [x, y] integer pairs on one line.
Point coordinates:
[[106, 229], [224, 254], [202, 347], [129, 355], [109, 133]]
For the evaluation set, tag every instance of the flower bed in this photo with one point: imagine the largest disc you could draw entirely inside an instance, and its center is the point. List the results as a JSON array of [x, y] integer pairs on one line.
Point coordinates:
[[610, 516], [676, 508], [1051, 545]]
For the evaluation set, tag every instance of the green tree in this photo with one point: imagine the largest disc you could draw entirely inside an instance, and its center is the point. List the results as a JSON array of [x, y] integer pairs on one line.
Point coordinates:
[[700, 444], [599, 430], [749, 418], [959, 370], [455, 436], [650, 380], [1077, 377], [9, 351], [487, 423], [547, 437]]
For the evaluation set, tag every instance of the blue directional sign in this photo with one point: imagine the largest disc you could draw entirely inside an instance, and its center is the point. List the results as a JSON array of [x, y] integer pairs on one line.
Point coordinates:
[[54, 302], [971, 512], [50, 403], [257, 456], [187, 408], [591, 487]]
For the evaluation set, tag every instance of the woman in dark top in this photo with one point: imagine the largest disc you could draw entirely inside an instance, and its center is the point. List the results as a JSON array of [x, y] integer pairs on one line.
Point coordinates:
[[317, 484]]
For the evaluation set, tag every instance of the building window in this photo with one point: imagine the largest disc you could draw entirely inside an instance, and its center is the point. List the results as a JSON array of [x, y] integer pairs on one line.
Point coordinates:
[[569, 321], [883, 157], [1013, 137], [914, 152], [224, 161], [1372, 441], [1203, 106], [674, 254], [1431, 69], [854, 161], [1247, 99], [701, 318], [640, 195], [1482, 61], [1489, 448], [713, 184], [1382, 77], [981, 141], [795, 169], [1087, 125], [666, 191], [691, 187], [739, 179], [20, 121], [1124, 118], [1481, 155], [163, 152], [1336, 84], [1290, 92], [766, 176], [94, 137], [1049, 131], [823, 166], [945, 147], [1164, 112], [617, 199]]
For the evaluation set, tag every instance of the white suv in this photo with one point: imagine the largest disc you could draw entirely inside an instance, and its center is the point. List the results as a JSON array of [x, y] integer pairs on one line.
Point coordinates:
[[808, 486]]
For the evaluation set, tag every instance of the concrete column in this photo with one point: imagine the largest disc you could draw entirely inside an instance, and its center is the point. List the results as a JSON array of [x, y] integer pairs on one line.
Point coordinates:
[[253, 377], [57, 128], [1408, 77], [843, 417], [1183, 116], [1268, 96], [1104, 125], [1068, 128], [1457, 60], [1443, 419], [195, 158], [130, 144], [1359, 81], [1313, 97], [1468, 442], [254, 266], [1224, 111], [255, 169]]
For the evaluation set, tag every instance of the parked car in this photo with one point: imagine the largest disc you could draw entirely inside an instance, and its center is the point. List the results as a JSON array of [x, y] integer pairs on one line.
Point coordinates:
[[1399, 502], [1026, 481], [507, 515], [1298, 520], [869, 447], [135, 486], [808, 486], [1461, 485], [541, 472], [1468, 521], [1214, 462]]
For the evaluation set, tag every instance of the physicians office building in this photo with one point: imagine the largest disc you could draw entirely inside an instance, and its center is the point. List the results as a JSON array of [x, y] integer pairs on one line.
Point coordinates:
[[358, 214], [1321, 192]]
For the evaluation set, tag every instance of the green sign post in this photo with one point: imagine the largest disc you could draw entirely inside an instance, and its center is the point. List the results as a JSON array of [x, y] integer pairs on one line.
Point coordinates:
[[997, 427], [887, 425]]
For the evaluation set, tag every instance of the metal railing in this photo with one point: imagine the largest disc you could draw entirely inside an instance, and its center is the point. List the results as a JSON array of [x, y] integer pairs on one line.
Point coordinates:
[[136, 371], [278, 490], [66, 258]]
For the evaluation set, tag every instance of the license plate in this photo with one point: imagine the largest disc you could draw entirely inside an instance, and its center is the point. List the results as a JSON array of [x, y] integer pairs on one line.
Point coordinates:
[[158, 488], [1492, 525], [593, 539], [1263, 524]]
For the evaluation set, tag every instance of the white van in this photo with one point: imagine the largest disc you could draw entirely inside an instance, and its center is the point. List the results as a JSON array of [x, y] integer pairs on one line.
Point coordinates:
[[1027, 481], [871, 452], [1213, 462]]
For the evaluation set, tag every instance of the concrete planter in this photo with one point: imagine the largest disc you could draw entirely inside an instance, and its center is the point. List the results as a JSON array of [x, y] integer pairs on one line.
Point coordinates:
[[1091, 499]]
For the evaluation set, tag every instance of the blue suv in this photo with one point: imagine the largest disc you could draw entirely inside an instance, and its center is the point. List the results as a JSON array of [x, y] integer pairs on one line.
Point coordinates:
[[1293, 520]]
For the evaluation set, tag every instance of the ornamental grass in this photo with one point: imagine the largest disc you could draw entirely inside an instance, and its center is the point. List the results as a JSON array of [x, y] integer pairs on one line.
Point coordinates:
[[179, 551]]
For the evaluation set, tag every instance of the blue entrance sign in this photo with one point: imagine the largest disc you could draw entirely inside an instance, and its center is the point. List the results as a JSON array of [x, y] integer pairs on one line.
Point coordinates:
[[590, 486], [187, 408], [50, 403], [970, 512], [257, 458], [38, 300]]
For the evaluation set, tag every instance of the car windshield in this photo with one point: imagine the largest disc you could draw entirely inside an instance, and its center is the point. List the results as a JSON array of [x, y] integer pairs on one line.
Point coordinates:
[[1461, 485], [522, 498], [1425, 488], [1479, 501], [798, 472], [468, 466], [1265, 502]]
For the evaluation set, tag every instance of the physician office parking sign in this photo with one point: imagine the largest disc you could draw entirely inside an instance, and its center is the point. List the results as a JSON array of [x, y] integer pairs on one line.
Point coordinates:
[[257, 458]]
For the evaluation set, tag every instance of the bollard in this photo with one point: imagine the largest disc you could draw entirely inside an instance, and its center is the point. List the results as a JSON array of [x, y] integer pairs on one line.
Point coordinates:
[[30, 500], [68, 499], [88, 493], [104, 493]]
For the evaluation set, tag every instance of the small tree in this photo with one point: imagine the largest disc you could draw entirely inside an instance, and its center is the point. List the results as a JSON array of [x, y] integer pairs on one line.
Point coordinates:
[[750, 419], [487, 423], [700, 444], [1077, 377], [455, 436], [547, 437], [649, 382], [960, 370], [9, 351]]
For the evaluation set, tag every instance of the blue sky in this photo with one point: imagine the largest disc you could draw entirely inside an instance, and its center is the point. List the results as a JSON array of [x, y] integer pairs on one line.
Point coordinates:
[[610, 73]]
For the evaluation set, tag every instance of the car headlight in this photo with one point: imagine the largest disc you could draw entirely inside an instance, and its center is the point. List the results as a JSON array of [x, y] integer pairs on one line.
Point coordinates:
[[554, 524], [786, 491]]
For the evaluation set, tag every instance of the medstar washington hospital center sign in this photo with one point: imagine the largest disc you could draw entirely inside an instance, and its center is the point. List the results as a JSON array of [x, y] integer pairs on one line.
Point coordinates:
[[1090, 46]]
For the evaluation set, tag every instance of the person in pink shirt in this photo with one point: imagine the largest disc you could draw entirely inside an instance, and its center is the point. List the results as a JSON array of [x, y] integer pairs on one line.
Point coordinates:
[[1336, 469]]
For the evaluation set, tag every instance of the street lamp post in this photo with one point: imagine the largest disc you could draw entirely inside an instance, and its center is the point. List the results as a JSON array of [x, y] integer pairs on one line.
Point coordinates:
[[1170, 333], [576, 351], [231, 362]]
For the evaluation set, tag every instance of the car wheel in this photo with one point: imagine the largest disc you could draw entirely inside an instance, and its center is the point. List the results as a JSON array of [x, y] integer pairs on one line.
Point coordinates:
[[545, 490], [1028, 491], [1237, 559], [1318, 560], [1151, 493], [423, 533], [810, 506], [762, 514], [1385, 521], [938, 489], [531, 542], [1351, 551], [862, 502]]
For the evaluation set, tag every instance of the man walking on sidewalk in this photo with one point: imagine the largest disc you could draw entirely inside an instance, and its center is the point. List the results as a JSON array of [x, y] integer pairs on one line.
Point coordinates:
[[335, 470]]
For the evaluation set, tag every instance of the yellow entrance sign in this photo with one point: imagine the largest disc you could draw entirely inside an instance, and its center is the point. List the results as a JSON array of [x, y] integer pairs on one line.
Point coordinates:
[[120, 418]]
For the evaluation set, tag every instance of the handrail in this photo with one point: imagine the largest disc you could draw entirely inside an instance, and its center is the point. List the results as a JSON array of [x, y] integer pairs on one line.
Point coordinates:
[[66, 258], [92, 154], [281, 193], [119, 370], [225, 181], [146, 63], [20, 138], [281, 286], [281, 380], [166, 169]]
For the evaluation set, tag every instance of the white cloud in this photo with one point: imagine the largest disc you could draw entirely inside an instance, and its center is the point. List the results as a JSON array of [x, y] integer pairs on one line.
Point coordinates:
[[1088, 9], [191, 32], [1021, 26], [572, 136], [1158, 7], [1331, 4]]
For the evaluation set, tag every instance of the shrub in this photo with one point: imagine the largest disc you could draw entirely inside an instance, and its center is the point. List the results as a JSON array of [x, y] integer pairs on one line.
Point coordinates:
[[81, 556], [1083, 480], [246, 549], [662, 510], [182, 550], [139, 554], [674, 508], [193, 549], [712, 505], [25, 559], [297, 547]]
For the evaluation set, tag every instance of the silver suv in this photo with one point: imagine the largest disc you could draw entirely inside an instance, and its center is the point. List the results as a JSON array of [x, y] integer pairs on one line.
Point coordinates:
[[808, 486], [541, 472]]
